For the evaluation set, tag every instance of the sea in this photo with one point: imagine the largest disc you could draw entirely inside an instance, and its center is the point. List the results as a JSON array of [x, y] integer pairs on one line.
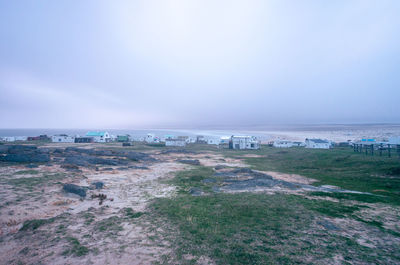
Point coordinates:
[[334, 132]]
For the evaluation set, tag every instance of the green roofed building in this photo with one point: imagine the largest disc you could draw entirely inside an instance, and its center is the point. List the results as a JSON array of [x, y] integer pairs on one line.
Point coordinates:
[[99, 137]]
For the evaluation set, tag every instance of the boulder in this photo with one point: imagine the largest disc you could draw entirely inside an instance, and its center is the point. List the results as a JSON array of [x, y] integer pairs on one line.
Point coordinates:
[[72, 188], [26, 158], [98, 185], [190, 162], [18, 149]]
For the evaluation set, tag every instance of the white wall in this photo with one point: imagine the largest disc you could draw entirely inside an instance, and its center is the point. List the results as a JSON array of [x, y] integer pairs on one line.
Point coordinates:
[[175, 143], [62, 139]]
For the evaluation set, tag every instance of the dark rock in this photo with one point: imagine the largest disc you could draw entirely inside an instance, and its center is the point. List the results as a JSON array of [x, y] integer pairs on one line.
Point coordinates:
[[72, 188], [242, 170], [138, 167], [122, 168], [190, 162], [103, 153], [87, 160], [98, 185], [3, 149], [137, 156], [126, 144], [224, 174], [328, 225], [32, 166], [107, 169], [26, 158], [58, 151], [18, 149], [219, 167], [69, 167], [196, 191], [209, 180]]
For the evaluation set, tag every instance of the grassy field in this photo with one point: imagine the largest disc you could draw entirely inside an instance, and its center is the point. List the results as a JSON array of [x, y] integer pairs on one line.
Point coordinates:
[[249, 228], [340, 167]]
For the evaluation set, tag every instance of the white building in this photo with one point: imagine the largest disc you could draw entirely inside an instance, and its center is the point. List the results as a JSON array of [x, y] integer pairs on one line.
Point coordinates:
[[282, 144], [62, 138], [213, 140], [244, 142], [175, 142], [318, 143], [100, 137]]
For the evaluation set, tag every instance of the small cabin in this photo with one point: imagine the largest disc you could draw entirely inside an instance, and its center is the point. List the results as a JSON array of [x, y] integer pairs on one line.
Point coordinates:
[[62, 138], [318, 144], [244, 142], [99, 137]]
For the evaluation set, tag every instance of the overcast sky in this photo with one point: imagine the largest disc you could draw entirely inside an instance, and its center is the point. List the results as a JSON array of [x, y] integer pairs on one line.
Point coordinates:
[[188, 64]]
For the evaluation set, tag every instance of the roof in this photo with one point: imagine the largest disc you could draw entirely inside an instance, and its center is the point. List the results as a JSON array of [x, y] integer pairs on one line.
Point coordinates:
[[319, 141], [95, 133]]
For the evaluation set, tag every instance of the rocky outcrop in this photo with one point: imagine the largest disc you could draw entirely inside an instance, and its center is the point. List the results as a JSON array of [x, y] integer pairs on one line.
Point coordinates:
[[88, 160], [194, 162], [72, 188], [24, 154]]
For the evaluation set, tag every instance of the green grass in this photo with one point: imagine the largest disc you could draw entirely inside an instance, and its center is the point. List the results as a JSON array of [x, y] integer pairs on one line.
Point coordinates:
[[248, 228], [76, 248], [111, 226], [192, 178], [26, 172], [340, 167], [130, 214], [259, 229], [35, 224], [30, 183]]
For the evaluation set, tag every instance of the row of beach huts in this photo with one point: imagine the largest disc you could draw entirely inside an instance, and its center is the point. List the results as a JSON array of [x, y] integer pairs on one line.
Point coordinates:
[[232, 142]]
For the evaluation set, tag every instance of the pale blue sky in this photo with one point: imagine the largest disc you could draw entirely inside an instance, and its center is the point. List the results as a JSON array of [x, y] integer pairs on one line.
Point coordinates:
[[133, 64]]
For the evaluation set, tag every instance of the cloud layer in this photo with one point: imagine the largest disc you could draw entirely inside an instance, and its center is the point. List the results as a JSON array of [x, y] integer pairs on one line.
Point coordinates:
[[134, 64]]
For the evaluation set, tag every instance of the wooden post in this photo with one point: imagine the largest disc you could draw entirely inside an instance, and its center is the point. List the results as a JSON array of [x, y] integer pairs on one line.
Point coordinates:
[[389, 154], [372, 149], [380, 149]]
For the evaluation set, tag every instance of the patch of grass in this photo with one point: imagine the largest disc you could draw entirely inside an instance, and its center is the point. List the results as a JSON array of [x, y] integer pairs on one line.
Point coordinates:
[[76, 248], [111, 226], [339, 166], [35, 224], [250, 228], [192, 178], [129, 213], [89, 217], [26, 172], [331, 209], [31, 182]]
